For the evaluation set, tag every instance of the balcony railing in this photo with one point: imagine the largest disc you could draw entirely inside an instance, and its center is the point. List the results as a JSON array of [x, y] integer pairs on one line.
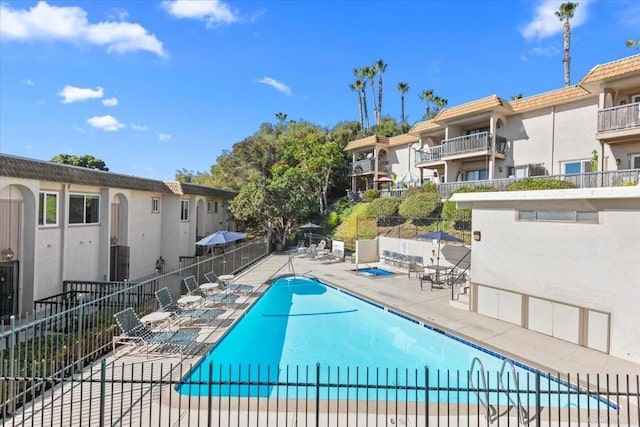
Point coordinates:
[[477, 142], [619, 118], [584, 180], [366, 166]]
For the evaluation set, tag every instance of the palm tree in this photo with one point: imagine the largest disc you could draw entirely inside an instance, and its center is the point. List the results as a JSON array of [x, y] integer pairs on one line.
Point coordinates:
[[403, 88], [281, 117], [361, 76], [565, 13], [369, 73], [427, 97], [633, 44], [357, 87], [379, 67]]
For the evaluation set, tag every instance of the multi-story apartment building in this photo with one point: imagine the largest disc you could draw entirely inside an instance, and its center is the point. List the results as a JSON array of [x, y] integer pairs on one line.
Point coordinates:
[[60, 222], [572, 132]]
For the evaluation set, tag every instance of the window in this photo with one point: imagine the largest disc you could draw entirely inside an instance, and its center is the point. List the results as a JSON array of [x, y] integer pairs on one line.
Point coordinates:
[[579, 166], [216, 206], [518, 171], [635, 98], [209, 207], [84, 209], [184, 210], [477, 175], [155, 204], [559, 216], [635, 161], [48, 209]]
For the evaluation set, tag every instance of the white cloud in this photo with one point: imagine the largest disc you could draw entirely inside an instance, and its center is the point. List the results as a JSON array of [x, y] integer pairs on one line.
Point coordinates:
[[71, 94], [70, 24], [545, 23], [118, 14], [279, 86], [164, 136], [28, 82], [106, 123], [110, 102], [549, 51], [212, 11], [138, 127]]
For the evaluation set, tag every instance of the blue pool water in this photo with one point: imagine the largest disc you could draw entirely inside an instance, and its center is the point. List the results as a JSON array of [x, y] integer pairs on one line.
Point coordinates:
[[300, 322], [374, 271]]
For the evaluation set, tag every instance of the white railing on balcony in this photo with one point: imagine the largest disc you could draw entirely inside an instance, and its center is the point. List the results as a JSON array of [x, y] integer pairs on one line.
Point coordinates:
[[364, 166], [619, 118], [583, 180], [476, 142]]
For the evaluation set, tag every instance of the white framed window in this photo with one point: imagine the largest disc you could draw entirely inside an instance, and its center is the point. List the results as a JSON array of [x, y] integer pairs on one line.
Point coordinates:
[[184, 210], [209, 207], [518, 171], [635, 98], [48, 209], [155, 204], [84, 209], [477, 175], [589, 217], [576, 167]]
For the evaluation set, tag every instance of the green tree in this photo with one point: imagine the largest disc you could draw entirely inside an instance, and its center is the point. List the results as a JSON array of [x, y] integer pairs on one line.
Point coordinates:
[[403, 88], [633, 44], [369, 73], [516, 96], [565, 13], [86, 161], [357, 87], [379, 68], [361, 81], [420, 205], [434, 103]]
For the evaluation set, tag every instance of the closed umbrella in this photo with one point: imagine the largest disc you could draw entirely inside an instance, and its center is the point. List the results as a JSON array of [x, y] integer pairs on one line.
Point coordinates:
[[439, 236], [221, 237]]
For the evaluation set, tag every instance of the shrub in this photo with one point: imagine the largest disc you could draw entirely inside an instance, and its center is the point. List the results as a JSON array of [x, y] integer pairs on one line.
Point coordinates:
[[527, 184], [382, 207], [628, 184], [333, 219], [451, 213], [356, 221], [420, 205], [429, 188], [370, 195], [411, 191]]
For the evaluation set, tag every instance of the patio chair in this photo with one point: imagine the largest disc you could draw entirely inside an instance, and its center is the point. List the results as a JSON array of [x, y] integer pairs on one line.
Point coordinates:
[[194, 289], [167, 304], [136, 332], [335, 256], [228, 286]]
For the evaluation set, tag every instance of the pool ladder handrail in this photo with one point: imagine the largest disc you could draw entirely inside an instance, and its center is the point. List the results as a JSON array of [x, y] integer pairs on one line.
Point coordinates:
[[488, 408], [523, 413]]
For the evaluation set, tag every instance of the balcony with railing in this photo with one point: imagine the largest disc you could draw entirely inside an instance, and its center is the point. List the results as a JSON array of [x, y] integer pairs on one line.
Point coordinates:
[[366, 166], [583, 180], [461, 146], [619, 119]]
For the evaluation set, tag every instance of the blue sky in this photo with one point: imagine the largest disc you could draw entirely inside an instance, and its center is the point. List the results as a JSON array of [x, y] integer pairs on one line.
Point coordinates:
[[152, 87]]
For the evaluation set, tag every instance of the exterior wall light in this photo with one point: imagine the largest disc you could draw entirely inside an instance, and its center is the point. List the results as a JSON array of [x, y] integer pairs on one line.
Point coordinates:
[[617, 162], [477, 236], [7, 254]]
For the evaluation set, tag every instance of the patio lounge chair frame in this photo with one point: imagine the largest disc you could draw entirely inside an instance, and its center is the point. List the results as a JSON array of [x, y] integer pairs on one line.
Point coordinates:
[[136, 332], [228, 286], [199, 314], [194, 289]]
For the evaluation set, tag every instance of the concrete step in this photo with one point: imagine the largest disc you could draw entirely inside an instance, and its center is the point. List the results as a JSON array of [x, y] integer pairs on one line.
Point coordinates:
[[462, 305]]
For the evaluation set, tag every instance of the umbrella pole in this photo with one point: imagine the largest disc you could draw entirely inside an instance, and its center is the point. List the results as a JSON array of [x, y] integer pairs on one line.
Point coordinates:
[[438, 263]]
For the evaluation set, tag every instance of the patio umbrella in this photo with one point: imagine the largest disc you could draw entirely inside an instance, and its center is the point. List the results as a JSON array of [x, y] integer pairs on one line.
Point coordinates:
[[439, 236], [310, 226], [383, 179], [221, 237]]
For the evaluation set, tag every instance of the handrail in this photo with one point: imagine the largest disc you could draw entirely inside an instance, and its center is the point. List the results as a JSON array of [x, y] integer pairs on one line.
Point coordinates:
[[488, 409], [523, 413]]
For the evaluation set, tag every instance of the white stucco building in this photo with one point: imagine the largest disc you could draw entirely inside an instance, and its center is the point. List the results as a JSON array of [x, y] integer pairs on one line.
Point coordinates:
[[565, 263], [60, 222]]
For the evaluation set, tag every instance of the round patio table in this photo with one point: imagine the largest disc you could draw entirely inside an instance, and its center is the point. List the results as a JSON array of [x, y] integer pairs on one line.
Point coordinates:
[[209, 286], [227, 277], [188, 299], [155, 317]]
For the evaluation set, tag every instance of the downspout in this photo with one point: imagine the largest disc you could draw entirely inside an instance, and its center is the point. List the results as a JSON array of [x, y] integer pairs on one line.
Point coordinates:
[[553, 137]]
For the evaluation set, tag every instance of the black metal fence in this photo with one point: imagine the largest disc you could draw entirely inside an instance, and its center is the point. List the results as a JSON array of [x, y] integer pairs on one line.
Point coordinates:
[[69, 331], [156, 394]]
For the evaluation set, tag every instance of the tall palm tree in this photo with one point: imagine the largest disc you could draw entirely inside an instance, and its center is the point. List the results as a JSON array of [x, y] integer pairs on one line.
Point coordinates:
[[379, 67], [281, 117], [565, 13], [369, 73], [361, 74], [403, 88], [357, 87], [427, 97]]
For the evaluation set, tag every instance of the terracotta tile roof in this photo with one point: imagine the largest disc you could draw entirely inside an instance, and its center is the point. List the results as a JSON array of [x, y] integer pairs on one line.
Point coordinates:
[[403, 139], [479, 105], [368, 141], [20, 167], [200, 190], [554, 97], [421, 127], [618, 68]]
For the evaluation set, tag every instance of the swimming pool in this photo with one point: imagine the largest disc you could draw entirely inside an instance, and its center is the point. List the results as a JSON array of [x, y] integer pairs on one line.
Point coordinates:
[[374, 271], [300, 322]]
